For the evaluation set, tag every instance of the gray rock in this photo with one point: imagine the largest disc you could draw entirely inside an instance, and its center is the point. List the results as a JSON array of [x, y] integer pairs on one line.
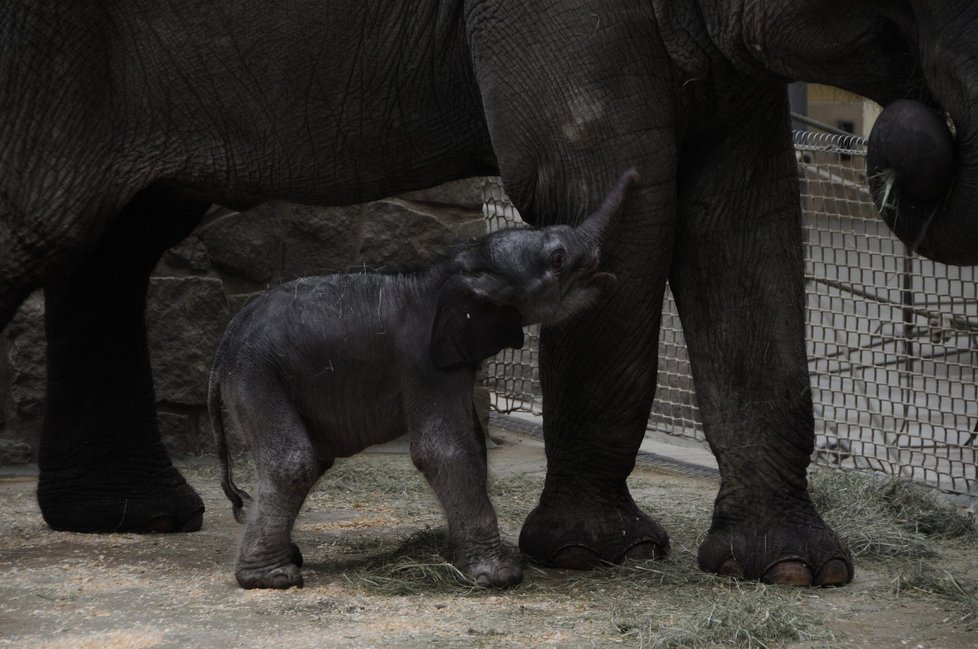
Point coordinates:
[[465, 193], [14, 453], [321, 240], [190, 254], [395, 235], [238, 300], [248, 244], [187, 432], [470, 229], [26, 356], [177, 433], [205, 433], [185, 317]]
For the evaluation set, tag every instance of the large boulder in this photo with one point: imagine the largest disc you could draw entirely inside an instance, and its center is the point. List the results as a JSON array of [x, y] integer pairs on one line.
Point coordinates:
[[247, 244], [321, 240], [185, 318], [26, 356]]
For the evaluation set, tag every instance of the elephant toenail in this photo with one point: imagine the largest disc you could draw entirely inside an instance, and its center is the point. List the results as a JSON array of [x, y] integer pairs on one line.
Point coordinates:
[[166, 524], [161, 524], [645, 551], [791, 572], [576, 557], [835, 572], [731, 568], [195, 522], [509, 577]]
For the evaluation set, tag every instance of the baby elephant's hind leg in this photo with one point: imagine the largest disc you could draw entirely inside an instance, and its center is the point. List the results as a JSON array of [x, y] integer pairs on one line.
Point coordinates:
[[286, 472], [455, 467]]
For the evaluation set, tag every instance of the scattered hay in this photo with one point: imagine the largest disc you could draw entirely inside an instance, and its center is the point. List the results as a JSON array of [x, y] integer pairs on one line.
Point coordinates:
[[370, 477], [884, 517], [740, 614], [886, 180], [677, 569], [918, 508], [905, 523], [417, 566], [667, 603], [926, 579], [514, 497], [745, 616]]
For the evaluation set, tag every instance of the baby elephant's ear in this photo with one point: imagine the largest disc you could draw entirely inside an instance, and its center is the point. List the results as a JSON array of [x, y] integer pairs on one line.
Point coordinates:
[[468, 330]]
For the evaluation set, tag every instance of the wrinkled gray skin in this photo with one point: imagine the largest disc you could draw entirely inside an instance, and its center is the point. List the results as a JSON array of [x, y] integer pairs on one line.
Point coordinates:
[[322, 367], [123, 121]]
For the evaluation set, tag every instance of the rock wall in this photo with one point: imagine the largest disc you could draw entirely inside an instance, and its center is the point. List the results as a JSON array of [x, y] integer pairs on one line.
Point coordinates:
[[201, 283]]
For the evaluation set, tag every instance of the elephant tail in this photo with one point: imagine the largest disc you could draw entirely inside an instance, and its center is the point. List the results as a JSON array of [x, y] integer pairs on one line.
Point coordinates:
[[215, 405]]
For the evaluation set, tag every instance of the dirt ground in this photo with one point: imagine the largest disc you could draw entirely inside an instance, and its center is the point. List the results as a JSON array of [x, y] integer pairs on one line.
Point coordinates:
[[139, 591]]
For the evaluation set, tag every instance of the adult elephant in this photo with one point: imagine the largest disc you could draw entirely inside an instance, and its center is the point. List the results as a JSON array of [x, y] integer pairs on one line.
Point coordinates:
[[122, 121]]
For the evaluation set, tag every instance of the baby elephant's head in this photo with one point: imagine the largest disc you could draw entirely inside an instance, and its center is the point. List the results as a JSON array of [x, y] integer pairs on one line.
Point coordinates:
[[546, 274], [518, 277]]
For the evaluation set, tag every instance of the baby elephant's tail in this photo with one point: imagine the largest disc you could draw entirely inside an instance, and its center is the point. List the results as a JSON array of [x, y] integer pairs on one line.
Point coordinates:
[[215, 405]]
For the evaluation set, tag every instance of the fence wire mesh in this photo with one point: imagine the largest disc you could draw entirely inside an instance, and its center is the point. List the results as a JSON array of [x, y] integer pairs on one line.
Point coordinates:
[[892, 337]]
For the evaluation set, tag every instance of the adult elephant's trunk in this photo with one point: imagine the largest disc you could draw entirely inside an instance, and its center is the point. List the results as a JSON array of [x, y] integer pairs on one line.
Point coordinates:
[[925, 187]]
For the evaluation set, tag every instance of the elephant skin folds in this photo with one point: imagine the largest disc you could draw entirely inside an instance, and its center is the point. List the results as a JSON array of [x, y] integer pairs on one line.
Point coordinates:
[[121, 118], [585, 539]]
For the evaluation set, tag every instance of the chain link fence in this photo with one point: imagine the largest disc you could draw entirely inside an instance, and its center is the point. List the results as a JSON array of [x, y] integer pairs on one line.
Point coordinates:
[[892, 337]]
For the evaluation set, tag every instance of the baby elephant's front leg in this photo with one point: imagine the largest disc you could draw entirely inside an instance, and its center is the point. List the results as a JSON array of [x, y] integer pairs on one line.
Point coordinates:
[[456, 470]]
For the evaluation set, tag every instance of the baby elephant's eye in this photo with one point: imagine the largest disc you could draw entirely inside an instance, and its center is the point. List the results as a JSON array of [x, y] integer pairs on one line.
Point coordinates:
[[557, 259]]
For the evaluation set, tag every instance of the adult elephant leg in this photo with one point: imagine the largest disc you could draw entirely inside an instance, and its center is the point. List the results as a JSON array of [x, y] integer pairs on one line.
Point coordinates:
[[738, 281], [598, 375], [103, 467], [564, 128]]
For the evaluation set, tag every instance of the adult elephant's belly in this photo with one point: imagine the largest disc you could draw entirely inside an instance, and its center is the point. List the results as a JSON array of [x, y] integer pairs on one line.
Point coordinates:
[[323, 141], [331, 165]]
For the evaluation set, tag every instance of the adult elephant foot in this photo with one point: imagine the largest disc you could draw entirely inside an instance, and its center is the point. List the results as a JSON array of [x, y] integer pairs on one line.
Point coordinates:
[[581, 538], [797, 549], [124, 499]]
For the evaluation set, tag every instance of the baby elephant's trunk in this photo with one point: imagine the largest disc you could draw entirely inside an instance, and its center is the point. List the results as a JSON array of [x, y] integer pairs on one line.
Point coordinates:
[[594, 230]]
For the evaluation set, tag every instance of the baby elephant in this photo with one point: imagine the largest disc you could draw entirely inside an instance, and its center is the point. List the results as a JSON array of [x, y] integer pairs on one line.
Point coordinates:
[[322, 367]]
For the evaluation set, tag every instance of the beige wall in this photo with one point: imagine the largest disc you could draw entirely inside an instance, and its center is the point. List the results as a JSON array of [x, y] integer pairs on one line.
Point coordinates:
[[833, 106]]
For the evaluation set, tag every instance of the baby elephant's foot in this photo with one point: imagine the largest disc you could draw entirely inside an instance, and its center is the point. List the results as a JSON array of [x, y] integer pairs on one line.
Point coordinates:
[[500, 573], [284, 576], [280, 575]]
